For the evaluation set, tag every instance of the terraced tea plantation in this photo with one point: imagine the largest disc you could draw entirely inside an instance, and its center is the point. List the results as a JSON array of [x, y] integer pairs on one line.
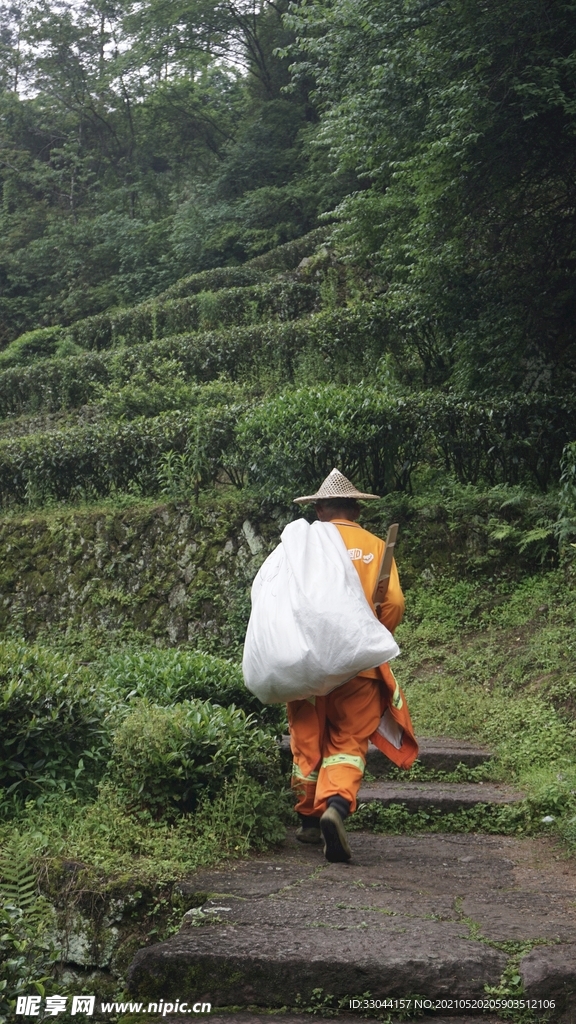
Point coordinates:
[[148, 461]]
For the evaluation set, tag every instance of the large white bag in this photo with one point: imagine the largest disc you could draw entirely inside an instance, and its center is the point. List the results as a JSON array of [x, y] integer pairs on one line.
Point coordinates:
[[311, 627]]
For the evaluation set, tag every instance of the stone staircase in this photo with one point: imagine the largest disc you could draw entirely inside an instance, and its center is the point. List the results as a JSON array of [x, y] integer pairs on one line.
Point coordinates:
[[434, 918]]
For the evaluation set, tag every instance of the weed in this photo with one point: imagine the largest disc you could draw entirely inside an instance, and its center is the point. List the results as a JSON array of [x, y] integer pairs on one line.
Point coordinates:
[[26, 954]]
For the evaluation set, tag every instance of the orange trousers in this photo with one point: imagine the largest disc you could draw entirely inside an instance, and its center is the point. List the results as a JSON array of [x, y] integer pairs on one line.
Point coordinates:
[[329, 740]]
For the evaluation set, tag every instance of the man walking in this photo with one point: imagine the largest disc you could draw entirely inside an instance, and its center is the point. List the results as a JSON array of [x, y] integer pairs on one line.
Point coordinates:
[[329, 735]]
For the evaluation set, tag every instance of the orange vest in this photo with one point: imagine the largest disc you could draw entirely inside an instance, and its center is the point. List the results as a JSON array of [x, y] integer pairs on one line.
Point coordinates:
[[395, 734]]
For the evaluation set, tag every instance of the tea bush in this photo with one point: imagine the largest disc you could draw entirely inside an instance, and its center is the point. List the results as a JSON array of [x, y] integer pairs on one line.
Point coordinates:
[[33, 345], [282, 258], [108, 457], [165, 759], [285, 300], [52, 724], [344, 343], [167, 677], [514, 440], [294, 440]]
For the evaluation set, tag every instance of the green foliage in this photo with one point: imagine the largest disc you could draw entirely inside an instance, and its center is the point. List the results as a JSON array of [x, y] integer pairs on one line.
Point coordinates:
[[566, 525], [97, 460], [460, 118], [330, 345], [469, 530], [31, 346], [142, 397], [26, 956], [165, 759], [493, 663], [520, 819], [284, 300], [18, 882], [52, 730], [294, 440], [156, 166], [280, 258], [246, 815], [167, 677], [516, 439]]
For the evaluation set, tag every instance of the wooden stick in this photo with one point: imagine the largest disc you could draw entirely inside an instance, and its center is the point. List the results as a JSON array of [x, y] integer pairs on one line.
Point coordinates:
[[384, 578]]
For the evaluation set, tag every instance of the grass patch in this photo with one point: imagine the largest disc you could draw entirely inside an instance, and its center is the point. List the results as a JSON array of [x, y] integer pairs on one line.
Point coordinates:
[[116, 842], [495, 664]]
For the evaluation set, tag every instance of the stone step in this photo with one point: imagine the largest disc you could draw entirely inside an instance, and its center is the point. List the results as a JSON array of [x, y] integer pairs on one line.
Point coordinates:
[[440, 754], [436, 754], [409, 914], [439, 796]]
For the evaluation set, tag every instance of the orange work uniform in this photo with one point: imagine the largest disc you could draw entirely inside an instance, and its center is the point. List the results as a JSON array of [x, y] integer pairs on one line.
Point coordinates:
[[329, 735]]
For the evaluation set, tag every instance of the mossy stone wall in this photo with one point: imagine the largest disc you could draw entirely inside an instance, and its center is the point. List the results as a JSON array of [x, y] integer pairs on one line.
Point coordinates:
[[178, 573]]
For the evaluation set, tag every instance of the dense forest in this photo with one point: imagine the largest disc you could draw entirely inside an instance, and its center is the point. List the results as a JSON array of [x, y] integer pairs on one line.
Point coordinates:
[[142, 142], [241, 243]]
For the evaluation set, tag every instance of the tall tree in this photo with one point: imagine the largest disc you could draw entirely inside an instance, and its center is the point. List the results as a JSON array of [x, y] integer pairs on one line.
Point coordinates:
[[459, 116]]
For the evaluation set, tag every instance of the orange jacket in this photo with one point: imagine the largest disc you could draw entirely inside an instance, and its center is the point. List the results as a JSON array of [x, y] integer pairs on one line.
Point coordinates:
[[395, 734]]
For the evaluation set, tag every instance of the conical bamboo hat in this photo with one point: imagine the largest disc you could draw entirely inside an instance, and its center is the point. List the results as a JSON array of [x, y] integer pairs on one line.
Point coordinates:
[[336, 485]]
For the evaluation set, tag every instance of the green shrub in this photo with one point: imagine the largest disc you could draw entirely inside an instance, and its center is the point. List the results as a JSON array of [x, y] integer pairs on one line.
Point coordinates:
[[344, 345], [379, 438], [566, 526], [104, 458], [53, 384], [293, 441], [282, 258], [213, 281], [169, 677], [27, 956], [468, 529], [141, 398], [30, 346], [283, 300], [511, 440], [288, 256], [165, 759], [52, 733]]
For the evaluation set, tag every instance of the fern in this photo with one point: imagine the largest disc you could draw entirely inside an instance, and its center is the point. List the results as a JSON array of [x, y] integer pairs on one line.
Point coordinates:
[[18, 880], [27, 952]]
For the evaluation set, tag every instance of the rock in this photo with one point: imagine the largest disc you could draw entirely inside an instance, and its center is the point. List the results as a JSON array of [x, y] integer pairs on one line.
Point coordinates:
[[255, 543], [408, 914], [549, 972], [276, 965], [177, 595], [439, 796], [436, 754]]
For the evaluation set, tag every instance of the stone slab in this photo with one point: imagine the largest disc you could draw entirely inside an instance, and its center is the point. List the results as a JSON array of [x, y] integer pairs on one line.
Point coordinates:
[[549, 972], [522, 915], [439, 796], [397, 921], [276, 966], [436, 754]]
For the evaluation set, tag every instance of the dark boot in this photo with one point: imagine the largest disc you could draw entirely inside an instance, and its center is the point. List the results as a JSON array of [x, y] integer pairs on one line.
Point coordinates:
[[336, 849]]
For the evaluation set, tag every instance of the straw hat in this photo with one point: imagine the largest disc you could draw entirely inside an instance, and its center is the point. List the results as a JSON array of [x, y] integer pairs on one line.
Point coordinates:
[[336, 485]]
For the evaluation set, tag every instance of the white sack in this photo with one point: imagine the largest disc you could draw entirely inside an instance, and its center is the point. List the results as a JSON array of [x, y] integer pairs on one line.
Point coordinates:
[[311, 627]]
